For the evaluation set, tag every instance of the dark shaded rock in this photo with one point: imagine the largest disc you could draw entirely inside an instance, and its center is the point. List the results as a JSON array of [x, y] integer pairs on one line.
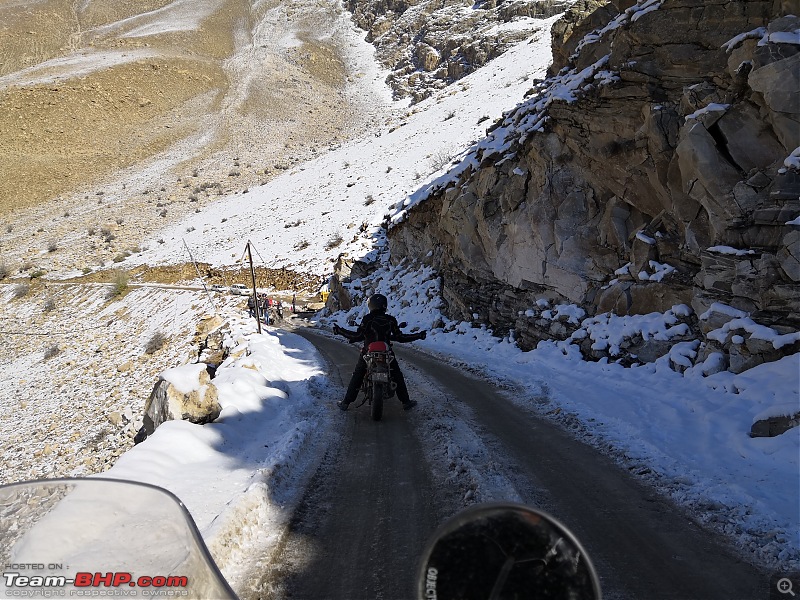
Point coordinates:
[[774, 426]]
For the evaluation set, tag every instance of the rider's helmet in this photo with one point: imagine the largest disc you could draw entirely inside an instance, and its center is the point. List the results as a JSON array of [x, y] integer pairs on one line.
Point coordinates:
[[377, 302]]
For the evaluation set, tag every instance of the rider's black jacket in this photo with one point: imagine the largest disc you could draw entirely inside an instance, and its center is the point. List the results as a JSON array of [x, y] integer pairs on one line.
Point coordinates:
[[378, 327]]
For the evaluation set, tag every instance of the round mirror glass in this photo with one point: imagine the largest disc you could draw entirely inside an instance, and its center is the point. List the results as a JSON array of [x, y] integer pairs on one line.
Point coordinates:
[[505, 551]]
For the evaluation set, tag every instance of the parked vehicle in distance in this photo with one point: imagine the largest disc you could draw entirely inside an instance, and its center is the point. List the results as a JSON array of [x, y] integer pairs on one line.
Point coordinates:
[[240, 289], [218, 287]]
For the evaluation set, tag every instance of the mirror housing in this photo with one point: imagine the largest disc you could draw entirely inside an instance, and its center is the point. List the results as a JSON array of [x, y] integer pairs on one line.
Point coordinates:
[[493, 551]]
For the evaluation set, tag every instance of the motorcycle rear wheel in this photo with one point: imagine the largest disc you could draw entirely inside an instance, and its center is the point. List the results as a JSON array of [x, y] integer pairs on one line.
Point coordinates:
[[377, 401]]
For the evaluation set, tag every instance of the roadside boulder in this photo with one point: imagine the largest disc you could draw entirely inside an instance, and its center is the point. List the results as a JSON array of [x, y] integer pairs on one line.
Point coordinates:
[[210, 340], [774, 426], [185, 393], [346, 270]]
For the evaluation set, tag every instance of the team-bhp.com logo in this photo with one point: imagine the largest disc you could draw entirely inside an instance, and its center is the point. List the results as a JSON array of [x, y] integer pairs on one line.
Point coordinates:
[[93, 584]]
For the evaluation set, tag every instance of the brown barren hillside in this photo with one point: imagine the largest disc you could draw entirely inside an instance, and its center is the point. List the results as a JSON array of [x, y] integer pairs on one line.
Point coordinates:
[[61, 128], [119, 118], [58, 137]]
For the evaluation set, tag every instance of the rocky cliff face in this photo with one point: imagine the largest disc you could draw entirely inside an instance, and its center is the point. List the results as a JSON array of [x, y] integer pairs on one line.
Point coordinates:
[[428, 44], [656, 167]]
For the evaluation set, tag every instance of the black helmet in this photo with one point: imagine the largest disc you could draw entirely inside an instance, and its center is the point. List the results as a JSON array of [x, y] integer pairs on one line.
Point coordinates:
[[377, 302]]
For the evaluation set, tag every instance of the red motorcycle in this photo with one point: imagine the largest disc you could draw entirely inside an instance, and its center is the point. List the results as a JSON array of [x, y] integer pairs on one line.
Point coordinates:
[[378, 385]]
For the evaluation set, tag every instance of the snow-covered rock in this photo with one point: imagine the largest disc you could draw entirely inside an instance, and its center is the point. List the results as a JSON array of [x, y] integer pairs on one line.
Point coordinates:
[[182, 393], [428, 44]]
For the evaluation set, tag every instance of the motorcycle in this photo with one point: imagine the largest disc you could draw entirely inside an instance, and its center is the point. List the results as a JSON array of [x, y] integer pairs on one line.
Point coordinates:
[[109, 537], [378, 385]]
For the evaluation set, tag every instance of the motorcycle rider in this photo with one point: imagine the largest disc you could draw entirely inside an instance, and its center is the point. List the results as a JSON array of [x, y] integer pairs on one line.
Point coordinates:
[[377, 326]]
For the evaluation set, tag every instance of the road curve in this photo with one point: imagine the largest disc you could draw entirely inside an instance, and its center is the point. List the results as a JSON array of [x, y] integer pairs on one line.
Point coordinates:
[[370, 508]]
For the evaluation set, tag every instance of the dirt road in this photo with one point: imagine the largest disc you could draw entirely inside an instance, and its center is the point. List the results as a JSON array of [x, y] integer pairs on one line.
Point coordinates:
[[380, 493]]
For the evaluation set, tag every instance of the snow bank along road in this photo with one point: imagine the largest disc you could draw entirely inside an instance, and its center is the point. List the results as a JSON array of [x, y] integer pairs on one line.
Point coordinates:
[[384, 487]]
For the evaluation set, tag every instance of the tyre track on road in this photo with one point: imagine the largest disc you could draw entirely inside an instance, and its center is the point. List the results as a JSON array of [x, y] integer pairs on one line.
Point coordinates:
[[642, 544], [365, 518]]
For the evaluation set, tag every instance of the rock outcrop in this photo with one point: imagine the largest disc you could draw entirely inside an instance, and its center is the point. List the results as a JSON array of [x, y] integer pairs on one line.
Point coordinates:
[[654, 169], [428, 44], [581, 18]]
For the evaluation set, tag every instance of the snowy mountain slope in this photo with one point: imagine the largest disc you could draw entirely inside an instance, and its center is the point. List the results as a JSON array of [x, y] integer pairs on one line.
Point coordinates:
[[297, 219], [78, 371]]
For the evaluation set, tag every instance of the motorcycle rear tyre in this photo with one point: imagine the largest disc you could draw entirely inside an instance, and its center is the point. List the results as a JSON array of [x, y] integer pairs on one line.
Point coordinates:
[[377, 401]]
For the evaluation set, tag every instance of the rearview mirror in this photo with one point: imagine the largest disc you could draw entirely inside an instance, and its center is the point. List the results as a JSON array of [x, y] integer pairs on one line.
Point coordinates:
[[495, 551]]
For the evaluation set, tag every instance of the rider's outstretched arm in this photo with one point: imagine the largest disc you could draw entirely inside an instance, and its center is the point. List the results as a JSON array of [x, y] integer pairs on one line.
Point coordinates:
[[398, 335], [352, 336]]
